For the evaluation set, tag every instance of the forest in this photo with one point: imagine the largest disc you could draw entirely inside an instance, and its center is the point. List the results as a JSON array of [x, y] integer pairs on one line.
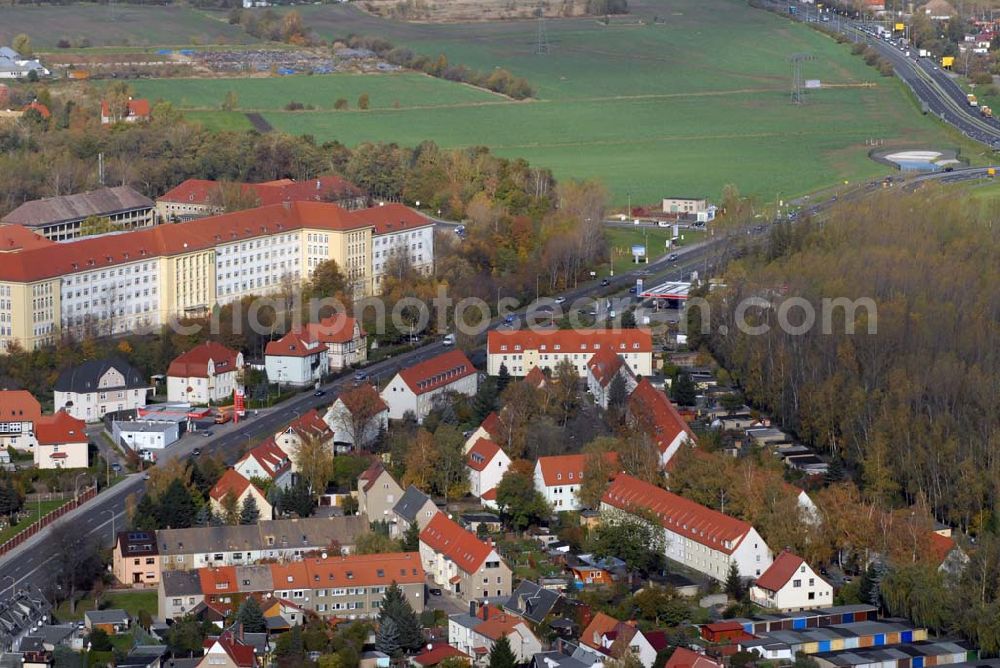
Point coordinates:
[[905, 404]]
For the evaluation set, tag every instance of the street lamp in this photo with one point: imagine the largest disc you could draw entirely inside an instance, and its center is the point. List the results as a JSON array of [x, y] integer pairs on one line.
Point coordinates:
[[76, 486], [112, 512]]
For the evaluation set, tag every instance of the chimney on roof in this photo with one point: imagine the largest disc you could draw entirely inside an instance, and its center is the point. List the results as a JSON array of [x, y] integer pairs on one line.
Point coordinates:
[[472, 608], [317, 184]]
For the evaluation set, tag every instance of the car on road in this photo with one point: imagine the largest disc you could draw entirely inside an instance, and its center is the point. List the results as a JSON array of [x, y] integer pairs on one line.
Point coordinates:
[[319, 393], [672, 257], [509, 320], [592, 311], [360, 377], [434, 591], [560, 300], [605, 282], [448, 340], [206, 434], [196, 452], [145, 476], [116, 467], [633, 290]]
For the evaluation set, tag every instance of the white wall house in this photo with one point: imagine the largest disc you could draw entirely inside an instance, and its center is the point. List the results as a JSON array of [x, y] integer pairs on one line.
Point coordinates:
[[234, 485], [19, 413], [346, 341], [359, 410], [697, 537], [208, 373], [414, 389], [142, 435], [523, 350], [98, 387], [293, 360], [602, 369], [486, 464], [558, 479], [62, 442], [790, 584], [266, 462], [400, 232], [461, 563]]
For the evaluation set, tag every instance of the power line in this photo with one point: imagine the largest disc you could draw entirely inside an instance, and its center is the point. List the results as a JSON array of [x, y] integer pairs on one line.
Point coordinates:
[[542, 43], [796, 59]]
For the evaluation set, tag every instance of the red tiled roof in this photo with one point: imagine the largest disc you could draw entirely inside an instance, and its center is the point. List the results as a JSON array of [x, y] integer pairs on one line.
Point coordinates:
[[290, 575], [137, 107], [438, 652], [167, 240], [39, 107], [566, 469], [444, 536], [489, 495], [293, 344], [780, 571], [338, 328], [194, 363], [371, 474], [362, 397], [19, 406], [570, 340], [220, 580], [599, 625], [320, 189], [491, 425], [233, 483], [18, 237], [939, 547], [536, 377], [270, 457], [682, 516], [498, 625], [481, 454], [437, 372], [604, 366], [685, 658], [657, 414], [310, 425], [241, 653], [59, 429], [362, 570]]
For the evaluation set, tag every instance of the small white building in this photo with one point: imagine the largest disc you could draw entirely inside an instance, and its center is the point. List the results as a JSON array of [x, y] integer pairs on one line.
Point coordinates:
[[602, 369], [697, 537], [97, 387], [789, 585], [62, 442], [308, 427], [293, 360], [345, 340], [558, 479], [234, 485], [19, 413], [414, 389], [208, 373], [266, 461], [142, 435], [486, 463], [358, 416]]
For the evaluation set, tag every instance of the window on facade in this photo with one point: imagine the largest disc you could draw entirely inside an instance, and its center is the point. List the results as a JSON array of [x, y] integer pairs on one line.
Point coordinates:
[[796, 583]]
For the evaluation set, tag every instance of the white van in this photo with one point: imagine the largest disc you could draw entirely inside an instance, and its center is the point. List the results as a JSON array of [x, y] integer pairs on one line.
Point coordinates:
[[448, 340]]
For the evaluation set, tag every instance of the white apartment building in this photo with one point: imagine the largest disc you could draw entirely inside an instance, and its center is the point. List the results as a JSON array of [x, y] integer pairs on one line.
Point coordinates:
[[97, 387], [414, 389], [695, 536], [523, 350], [790, 585], [394, 236]]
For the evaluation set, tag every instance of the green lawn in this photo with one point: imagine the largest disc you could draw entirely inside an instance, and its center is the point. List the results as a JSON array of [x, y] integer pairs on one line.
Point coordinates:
[[385, 91], [621, 240], [129, 601], [32, 510], [126, 25]]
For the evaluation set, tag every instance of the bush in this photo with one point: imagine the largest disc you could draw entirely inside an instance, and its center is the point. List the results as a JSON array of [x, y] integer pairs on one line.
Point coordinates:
[[885, 68], [981, 78], [63, 43], [340, 104], [294, 106]]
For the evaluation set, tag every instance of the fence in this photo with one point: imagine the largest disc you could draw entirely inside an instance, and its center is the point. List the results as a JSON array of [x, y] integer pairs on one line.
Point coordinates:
[[38, 525]]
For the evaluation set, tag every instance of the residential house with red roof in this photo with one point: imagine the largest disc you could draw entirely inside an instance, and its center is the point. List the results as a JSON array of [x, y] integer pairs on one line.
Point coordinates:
[[378, 493], [208, 373], [600, 625], [461, 563], [237, 487], [485, 463], [944, 552], [686, 658], [602, 369], [489, 428], [196, 198], [521, 350], [414, 390], [474, 634], [436, 652], [295, 359], [308, 427], [62, 442], [345, 339], [624, 639], [558, 479], [649, 410], [135, 110], [698, 537], [266, 461], [789, 585], [229, 650], [357, 417], [19, 412]]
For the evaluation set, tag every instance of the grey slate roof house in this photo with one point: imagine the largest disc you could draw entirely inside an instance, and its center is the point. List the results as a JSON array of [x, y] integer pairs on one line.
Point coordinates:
[[414, 507], [61, 218], [97, 387], [24, 609], [532, 602]]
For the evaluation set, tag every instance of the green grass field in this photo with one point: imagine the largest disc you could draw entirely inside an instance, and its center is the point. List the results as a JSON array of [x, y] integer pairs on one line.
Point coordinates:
[[621, 240], [126, 25], [129, 601]]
